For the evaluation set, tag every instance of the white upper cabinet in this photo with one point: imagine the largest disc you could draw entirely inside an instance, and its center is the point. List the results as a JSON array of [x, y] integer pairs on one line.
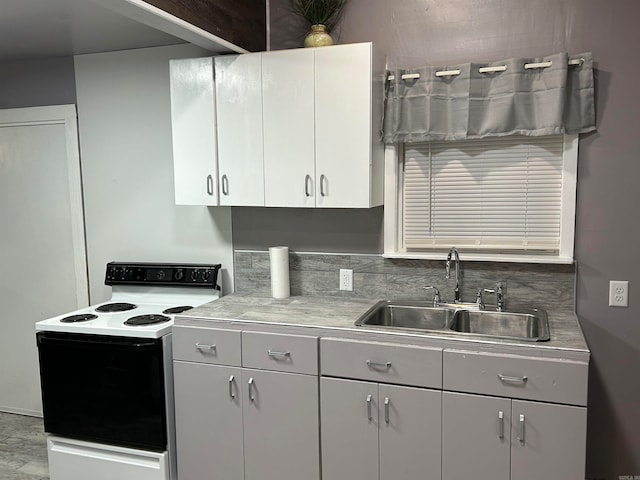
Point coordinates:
[[239, 118], [288, 106], [194, 131], [322, 114], [348, 109], [295, 128]]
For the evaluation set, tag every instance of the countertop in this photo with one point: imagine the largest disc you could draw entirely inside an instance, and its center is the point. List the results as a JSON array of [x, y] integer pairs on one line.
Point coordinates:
[[335, 316]]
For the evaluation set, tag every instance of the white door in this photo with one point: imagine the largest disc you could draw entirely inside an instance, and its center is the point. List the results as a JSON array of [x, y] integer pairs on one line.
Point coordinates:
[[289, 151], [238, 80], [281, 426], [42, 249], [349, 429], [343, 125], [193, 128], [410, 433]]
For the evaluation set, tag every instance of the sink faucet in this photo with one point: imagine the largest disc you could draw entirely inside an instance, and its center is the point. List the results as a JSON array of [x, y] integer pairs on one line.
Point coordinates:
[[454, 252]]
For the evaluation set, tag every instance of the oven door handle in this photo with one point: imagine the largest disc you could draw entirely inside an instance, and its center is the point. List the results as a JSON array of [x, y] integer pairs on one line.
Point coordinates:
[[89, 340]]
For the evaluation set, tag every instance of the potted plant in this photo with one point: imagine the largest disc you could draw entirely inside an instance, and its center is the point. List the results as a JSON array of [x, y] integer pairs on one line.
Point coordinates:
[[322, 16]]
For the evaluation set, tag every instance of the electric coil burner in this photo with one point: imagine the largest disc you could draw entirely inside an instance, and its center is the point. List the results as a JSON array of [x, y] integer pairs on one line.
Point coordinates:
[[150, 319], [116, 307], [176, 310], [83, 317], [118, 354]]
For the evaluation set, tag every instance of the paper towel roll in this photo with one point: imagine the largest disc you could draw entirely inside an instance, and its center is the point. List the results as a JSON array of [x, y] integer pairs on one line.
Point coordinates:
[[279, 262]]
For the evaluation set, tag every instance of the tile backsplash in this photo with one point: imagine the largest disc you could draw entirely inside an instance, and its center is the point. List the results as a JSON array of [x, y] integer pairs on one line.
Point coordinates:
[[539, 285]]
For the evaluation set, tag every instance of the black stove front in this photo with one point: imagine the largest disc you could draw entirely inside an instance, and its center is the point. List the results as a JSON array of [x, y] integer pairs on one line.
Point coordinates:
[[104, 389]]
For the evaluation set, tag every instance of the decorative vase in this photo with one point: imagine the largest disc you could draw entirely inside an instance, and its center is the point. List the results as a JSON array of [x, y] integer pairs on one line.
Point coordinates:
[[318, 37]]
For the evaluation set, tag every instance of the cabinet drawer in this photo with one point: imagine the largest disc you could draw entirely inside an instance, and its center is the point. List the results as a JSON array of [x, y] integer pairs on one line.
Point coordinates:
[[283, 353], [207, 345], [515, 376], [381, 362]]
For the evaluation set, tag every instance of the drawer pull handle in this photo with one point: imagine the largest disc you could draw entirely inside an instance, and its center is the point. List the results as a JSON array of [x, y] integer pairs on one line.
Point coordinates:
[[276, 355], [369, 400], [501, 425], [204, 347], [507, 378], [374, 365], [521, 432], [232, 380], [251, 395], [386, 409]]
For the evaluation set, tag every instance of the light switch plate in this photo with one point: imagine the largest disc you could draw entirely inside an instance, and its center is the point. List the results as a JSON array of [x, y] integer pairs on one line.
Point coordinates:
[[618, 293]]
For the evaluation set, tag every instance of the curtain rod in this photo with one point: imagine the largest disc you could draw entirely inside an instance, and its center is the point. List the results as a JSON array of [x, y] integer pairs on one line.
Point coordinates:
[[498, 68]]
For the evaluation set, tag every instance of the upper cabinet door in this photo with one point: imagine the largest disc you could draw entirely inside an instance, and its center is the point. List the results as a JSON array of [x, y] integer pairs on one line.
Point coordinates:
[[288, 104], [194, 131], [343, 120], [238, 81]]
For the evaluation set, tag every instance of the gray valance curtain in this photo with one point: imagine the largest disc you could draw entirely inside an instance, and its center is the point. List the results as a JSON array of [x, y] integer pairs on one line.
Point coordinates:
[[552, 95]]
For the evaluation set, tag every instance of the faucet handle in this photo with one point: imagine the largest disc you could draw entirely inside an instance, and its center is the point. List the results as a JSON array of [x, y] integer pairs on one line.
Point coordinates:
[[479, 299], [501, 296], [436, 294]]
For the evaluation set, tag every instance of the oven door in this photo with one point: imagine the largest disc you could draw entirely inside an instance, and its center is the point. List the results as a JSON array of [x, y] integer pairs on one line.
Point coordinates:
[[104, 389]]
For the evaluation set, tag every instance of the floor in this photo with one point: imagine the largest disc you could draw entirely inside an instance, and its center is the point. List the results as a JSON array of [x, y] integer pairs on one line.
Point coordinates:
[[23, 448]]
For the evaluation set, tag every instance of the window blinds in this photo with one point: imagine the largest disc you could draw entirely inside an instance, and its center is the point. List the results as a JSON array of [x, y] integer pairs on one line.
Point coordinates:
[[502, 193]]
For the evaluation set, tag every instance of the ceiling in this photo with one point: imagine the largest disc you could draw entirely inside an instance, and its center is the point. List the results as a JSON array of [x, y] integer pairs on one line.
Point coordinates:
[[32, 29]]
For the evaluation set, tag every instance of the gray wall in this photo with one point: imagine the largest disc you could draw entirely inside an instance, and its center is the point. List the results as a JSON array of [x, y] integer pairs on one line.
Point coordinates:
[[35, 83], [124, 119], [417, 32]]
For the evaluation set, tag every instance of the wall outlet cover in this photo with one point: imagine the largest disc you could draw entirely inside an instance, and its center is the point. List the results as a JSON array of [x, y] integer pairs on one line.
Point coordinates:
[[346, 279], [618, 293]]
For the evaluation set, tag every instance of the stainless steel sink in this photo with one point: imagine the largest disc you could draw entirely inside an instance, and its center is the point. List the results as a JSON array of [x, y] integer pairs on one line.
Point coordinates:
[[413, 315], [531, 325], [528, 325]]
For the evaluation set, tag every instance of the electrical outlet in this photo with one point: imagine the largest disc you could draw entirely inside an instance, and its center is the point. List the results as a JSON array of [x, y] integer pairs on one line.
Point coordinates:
[[346, 279], [618, 293]]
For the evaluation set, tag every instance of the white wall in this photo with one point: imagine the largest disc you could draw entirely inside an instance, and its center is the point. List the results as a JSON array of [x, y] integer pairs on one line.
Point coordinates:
[[127, 168]]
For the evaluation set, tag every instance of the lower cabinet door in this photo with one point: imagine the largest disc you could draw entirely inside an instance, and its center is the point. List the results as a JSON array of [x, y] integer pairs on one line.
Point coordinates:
[[410, 433], [547, 441], [349, 429], [281, 427], [476, 437], [208, 421]]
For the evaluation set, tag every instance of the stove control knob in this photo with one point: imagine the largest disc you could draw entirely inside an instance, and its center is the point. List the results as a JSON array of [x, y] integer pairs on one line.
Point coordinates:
[[207, 275], [179, 275], [194, 275]]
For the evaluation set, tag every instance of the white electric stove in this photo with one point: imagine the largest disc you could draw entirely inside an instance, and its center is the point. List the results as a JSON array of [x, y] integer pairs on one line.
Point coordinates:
[[107, 378]]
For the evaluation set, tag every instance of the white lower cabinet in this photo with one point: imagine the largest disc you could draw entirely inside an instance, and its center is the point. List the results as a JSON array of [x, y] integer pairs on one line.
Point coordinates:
[[378, 431], [208, 421], [492, 438], [280, 426], [238, 423]]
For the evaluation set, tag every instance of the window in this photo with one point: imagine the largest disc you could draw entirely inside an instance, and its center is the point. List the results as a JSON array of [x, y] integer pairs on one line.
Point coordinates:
[[509, 198]]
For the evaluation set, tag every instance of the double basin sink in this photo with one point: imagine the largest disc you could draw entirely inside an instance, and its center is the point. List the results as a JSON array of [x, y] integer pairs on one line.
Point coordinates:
[[464, 319]]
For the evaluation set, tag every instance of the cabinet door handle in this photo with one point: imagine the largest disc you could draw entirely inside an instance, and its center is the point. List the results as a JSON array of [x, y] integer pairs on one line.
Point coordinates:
[[251, 396], [379, 365], [232, 380], [307, 183], [369, 401], [508, 379], [521, 430], [225, 185], [278, 355], [323, 179], [204, 347], [501, 425], [386, 409], [209, 185]]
